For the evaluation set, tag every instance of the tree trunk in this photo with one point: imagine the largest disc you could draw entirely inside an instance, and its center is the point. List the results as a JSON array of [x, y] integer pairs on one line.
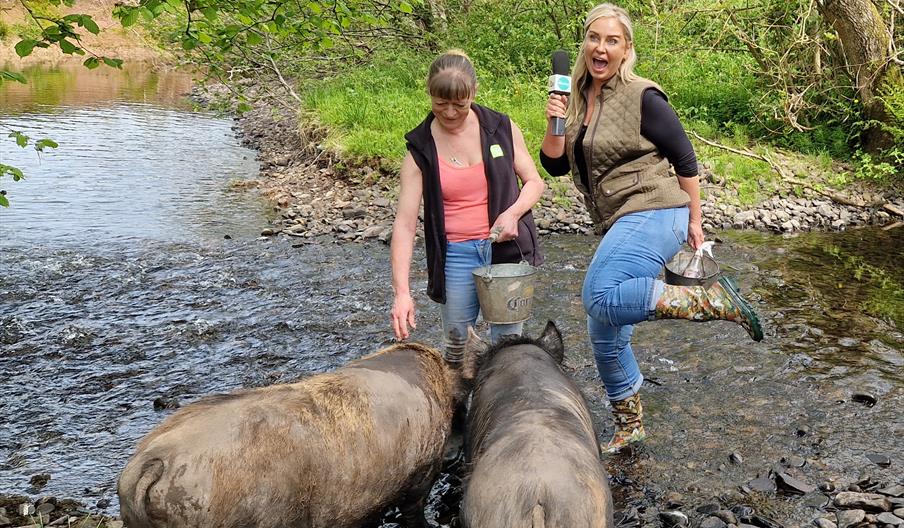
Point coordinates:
[[865, 40]]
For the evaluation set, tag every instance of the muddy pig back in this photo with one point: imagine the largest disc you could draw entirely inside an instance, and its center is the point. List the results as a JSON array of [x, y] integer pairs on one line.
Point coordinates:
[[335, 449], [531, 444]]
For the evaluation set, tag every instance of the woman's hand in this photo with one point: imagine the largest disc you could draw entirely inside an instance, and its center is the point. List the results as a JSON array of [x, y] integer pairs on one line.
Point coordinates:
[[506, 226], [556, 105], [695, 233], [403, 316]]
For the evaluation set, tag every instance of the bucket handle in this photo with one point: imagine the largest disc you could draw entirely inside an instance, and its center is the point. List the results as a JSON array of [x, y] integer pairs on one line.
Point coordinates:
[[494, 235]]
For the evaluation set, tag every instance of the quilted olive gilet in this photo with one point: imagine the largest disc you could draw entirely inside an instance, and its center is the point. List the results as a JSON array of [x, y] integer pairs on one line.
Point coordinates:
[[626, 172]]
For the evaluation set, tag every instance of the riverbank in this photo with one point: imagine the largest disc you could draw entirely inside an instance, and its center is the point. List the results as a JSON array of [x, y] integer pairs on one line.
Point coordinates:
[[316, 194]]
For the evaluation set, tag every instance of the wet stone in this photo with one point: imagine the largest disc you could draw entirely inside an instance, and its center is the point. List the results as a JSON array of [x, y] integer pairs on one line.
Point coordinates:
[[726, 516], [743, 512], [893, 491], [794, 461], [762, 484], [899, 512], [40, 480], [865, 398], [848, 518], [713, 522], [816, 500], [889, 518], [788, 484], [673, 518], [824, 523], [867, 501], [708, 509], [764, 522], [879, 459]]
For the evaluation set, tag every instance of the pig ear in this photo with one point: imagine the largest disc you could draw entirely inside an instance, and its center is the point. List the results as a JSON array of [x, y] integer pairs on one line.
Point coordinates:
[[551, 341]]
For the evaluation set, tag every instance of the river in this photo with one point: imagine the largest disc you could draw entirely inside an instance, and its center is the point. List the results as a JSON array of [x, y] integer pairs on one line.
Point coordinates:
[[132, 276]]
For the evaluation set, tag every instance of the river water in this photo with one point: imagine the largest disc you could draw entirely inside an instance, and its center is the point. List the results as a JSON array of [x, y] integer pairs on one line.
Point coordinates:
[[130, 272]]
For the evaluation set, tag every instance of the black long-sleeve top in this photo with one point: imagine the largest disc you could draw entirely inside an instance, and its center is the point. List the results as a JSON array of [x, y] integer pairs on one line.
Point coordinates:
[[658, 123]]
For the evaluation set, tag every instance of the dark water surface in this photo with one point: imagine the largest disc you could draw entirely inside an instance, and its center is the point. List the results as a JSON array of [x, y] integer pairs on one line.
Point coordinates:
[[118, 288]]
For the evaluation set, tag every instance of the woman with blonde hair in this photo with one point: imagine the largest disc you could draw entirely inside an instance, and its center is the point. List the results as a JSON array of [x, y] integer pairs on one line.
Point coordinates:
[[464, 161], [622, 141]]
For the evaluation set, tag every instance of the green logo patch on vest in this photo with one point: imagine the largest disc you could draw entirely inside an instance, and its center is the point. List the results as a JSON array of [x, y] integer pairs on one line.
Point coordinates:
[[496, 151]]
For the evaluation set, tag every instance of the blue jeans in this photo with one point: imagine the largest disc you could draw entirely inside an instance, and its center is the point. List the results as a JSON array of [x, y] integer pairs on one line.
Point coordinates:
[[621, 289], [461, 308]]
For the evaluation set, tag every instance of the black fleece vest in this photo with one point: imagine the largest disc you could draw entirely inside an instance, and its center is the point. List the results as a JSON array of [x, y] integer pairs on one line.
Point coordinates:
[[502, 186]]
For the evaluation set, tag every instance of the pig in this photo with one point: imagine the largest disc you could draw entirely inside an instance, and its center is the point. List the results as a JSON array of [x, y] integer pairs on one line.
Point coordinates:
[[332, 450], [531, 447]]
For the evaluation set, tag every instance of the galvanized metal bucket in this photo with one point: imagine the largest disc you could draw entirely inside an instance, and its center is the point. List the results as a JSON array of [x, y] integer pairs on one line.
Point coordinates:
[[505, 291]]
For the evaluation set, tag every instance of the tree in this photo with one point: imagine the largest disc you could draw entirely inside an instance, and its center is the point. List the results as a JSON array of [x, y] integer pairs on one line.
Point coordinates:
[[868, 46]]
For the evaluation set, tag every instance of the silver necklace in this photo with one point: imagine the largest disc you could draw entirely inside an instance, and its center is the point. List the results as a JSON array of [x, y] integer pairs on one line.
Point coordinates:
[[452, 157]]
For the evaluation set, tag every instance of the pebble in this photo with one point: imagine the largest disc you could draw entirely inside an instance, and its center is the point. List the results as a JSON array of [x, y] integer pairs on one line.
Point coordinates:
[[893, 491], [889, 518], [865, 398], [869, 501], [713, 522], [824, 523], [762, 484], [847, 518], [735, 458], [673, 518], [789, 484], [879, 459], [726, 516]]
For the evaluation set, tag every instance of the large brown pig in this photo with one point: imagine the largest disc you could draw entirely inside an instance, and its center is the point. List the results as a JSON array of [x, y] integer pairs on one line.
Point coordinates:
[[333, 450], [531, 445]]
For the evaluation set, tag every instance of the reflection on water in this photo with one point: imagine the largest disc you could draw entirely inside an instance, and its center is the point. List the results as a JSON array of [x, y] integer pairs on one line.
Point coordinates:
[[73, 85], [124, 170]]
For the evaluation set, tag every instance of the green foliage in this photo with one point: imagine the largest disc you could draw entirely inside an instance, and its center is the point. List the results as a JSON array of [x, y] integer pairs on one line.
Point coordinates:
[[883, 169]]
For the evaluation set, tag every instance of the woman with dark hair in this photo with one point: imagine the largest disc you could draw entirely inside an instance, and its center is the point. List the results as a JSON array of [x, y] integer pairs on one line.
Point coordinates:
[[621, 138], [465, 162]]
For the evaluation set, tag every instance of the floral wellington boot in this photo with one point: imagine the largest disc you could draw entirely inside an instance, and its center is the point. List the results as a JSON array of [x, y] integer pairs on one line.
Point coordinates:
[[628, 415], [721, 301]]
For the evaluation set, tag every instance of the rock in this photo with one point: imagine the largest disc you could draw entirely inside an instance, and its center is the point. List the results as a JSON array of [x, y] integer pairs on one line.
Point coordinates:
[[824, 523], [764, 522], [673, 518], [743, 218], [817, 500], [114, 524], [794, 461], [743, 512], [762, 484], [674, 500], [708, 509], [713, 522], [789, 484], [726, 516], [735, 458], [25, 509], [381, 202], [865, 398], [866, 501], [847, 518], [899, 512], [40, 480], [268, 232], [373, 231], [45, 508], [879, 459], [354, 212], [162, 403], [889, 518], [4, 521]]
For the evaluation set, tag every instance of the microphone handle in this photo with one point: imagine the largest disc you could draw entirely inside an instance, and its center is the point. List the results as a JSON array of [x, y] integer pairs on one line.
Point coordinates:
[[557, 126]]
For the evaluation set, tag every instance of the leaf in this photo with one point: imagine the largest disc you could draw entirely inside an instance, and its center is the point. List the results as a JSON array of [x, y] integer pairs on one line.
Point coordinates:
[[68, 47], [91, 63], [24, 47], [12, 76], [43, 143], [210, 14], [113, 63], [189, 43], [254, 38], [89, 24], [3, 201], [243, 107], [405, 7], [21, 139], [129, 18], [204, 38]]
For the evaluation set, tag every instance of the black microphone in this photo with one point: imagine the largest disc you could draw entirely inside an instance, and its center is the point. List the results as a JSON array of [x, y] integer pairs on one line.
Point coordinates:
[[559, 83]]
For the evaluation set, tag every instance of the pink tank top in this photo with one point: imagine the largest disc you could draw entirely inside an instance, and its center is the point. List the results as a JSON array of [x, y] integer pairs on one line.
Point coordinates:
[[465, 199]]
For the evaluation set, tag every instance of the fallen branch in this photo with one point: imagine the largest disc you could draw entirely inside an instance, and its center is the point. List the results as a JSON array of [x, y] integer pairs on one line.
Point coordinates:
[[893, 209], [786, 178]]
